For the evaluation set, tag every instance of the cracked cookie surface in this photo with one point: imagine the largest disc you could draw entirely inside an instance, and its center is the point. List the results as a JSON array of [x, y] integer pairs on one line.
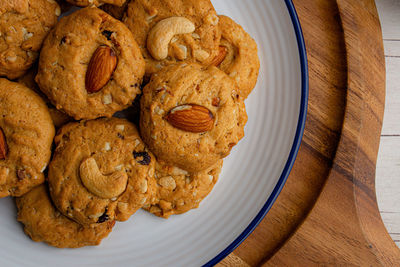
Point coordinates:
[[100, 171], [178, 191], [64, 65], [199, 46], [23, 26], [26, 136], [44, 223], [191, 89]]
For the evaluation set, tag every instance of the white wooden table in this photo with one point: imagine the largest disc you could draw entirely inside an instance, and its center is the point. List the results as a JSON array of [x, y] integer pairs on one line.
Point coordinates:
[[388, 165]]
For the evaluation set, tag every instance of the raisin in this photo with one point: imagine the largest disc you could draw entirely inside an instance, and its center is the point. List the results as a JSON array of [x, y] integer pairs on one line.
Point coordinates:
[[104, 217], [146, 157], [107, 34], [120, 136]]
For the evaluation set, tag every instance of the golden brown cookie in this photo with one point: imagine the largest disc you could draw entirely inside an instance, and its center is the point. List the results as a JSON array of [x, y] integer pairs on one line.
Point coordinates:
[[179, 191], [238, 55], [84, 3], [90, 65], [58, 117], [100, 171], [44, 223], [191, 116], [23, 26], [26, 135], [174, 30]]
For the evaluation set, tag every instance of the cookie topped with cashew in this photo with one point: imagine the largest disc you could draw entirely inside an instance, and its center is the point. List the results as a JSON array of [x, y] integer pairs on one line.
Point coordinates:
[[179, 191], [26, 136], [100, 171], [191, 116], [174, 30], [23, 26], [90, 65]]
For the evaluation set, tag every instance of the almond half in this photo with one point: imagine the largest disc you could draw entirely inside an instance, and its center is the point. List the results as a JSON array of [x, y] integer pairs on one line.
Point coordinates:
[[100, 69], [3, 145], [220, 57], [191, 118]]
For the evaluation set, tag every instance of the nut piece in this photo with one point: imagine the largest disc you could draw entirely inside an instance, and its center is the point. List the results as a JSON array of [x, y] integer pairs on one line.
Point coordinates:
[[100, 69], [161, 34], [191, 118], [3, 145], [106, 187], [220, 57]]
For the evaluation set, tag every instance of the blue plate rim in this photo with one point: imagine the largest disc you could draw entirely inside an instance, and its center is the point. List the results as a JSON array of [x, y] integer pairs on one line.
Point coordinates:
[[296, 144]]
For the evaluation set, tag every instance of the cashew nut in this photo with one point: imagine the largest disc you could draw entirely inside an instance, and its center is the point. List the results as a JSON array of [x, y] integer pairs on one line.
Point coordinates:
[[161, 34], [106, 187]]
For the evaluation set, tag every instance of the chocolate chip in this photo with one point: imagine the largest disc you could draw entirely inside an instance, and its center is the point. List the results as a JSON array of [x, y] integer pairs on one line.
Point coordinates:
[[104, 217], [63, 40], [146, 157], [107, 34]]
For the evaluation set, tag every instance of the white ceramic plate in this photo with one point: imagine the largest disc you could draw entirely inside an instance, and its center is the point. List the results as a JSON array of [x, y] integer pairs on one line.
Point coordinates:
[[251, 179]]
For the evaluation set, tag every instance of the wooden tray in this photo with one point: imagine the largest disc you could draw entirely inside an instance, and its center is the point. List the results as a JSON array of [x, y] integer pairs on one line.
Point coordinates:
[[327, 212]]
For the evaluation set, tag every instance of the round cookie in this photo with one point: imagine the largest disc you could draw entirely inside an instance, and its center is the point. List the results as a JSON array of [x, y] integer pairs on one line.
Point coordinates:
[[23, 26], [191, 116], [179, 191], [76, 66], [100, 171], [238, 57], [58, 117], [84, 3], [26, 136], [44, 223], [201, 45]]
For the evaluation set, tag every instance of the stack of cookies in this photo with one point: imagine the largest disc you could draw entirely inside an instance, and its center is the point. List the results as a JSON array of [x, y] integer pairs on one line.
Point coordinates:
[[172, 68]]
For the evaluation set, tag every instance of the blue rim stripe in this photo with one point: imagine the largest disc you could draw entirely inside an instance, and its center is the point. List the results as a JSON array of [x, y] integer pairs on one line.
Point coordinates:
[[296, 144]]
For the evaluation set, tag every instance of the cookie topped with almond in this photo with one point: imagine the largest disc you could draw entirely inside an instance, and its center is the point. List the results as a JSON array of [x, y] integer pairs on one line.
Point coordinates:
[[191, 116], [90, 65], [100, 171], [23, 26], [26, 135], [170, 31], [238, 55]]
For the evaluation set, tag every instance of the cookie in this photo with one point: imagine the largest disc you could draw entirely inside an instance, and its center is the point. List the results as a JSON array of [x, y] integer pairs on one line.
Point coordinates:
[[26, 135], [58, 117], [23, 26], [239, 56], [115, 11], [84, 3], [179, 191], [100, 171], [174, 30], [90, 65], [44, 223], [191, 116]]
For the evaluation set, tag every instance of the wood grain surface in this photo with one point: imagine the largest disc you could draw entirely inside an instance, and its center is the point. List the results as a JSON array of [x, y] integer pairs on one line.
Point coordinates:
[[327, 211]]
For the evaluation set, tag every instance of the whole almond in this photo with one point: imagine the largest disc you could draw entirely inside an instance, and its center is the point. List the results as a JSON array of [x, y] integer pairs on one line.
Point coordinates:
[[191, 118], [3, 145], [220, 57], [100, 69]]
